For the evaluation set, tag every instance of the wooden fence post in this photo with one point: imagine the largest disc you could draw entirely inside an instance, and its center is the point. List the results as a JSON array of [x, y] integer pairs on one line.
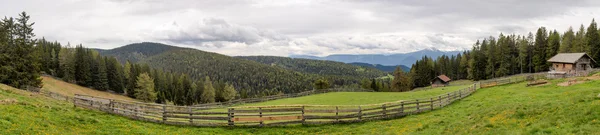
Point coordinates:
[[135, 112], [337, 117], [417, 106], [440, 101], [164, 113], [231, 116], [384, 111], [260, 115], [303, 118], [75, 101], [447, 100], [359, 113], [111, 105], [402, 108], [190, 111], [431, 103]]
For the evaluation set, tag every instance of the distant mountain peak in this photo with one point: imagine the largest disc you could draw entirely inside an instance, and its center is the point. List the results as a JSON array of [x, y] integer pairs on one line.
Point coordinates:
[[388, 60], [432, 49]]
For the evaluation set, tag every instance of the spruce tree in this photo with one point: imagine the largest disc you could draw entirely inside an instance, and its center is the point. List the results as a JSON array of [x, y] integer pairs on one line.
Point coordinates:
[[19, 66], [593, 41], [401, 82], [321, 84], [145, 88], [114, 75], [566, 43], [208, 94], [100, 79], [229, 92], [539, 50]]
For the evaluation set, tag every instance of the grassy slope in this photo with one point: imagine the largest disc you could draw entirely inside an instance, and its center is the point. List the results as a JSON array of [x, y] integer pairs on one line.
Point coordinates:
[[359, 98], [64, 88], [510, 109]]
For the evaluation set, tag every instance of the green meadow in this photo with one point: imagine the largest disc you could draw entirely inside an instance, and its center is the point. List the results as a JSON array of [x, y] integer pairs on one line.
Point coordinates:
[[508, 109]]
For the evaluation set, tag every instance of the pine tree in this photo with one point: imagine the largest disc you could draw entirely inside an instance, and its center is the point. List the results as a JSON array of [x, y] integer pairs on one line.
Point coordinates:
[[580, 41], [374, 85], [229, 92], [553, 46], [145, 88], [365, 84], [321, 84], [187, 90], [567, 41], [208, 94], [593, 41], [401, 82], [539, 50], [114, 73], [100, 79], [67, 63], [491, 54], [19, 66]]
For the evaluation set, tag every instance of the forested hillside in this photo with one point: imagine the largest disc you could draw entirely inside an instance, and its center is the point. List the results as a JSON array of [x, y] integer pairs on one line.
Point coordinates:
[[137, 51], [320, 67], [245, 75], [382, 67]]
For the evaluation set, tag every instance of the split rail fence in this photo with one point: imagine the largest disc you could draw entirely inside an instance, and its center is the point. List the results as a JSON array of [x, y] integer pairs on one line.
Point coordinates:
[[276, 115]]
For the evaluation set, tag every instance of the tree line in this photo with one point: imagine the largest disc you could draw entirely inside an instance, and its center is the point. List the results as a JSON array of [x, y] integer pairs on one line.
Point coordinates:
[[87, 68], [23, 59], [508, 55]]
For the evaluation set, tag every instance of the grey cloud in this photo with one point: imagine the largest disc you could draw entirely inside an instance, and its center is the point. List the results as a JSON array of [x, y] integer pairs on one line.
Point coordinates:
[[281, 27], [216, 30]]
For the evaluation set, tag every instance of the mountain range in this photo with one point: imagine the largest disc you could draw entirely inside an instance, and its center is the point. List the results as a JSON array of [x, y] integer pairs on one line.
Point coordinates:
[[406, 59]]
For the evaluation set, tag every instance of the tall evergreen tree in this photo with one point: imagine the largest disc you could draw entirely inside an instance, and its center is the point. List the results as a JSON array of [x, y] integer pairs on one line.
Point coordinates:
[[19, 66], [401, 82], [114, 73], [580, 41], [144, 89], [593, 41], [539, 50], [553, 46], [208, 94], [99, 70], [567, 41]]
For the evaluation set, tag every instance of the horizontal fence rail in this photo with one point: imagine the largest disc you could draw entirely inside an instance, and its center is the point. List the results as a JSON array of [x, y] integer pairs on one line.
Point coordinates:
[[217, 115]]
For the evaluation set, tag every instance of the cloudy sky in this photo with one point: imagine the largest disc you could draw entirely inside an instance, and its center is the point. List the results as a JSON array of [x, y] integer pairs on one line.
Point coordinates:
[[300, 27]]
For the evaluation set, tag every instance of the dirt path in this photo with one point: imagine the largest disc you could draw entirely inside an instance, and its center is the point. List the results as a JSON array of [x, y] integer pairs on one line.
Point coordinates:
[[68, 89]]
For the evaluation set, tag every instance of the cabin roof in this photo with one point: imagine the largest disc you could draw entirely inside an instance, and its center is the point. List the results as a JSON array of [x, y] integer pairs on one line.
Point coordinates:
[[443, 78], [568, 57]]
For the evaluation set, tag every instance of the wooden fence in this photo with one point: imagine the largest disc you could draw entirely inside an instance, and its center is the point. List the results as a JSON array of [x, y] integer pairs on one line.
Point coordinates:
[[268, 115], [275, 115], [56, 95], [217, 115]]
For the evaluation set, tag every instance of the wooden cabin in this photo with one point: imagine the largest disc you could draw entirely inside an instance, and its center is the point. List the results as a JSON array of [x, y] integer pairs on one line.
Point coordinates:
[[440, 81], [566, 64]]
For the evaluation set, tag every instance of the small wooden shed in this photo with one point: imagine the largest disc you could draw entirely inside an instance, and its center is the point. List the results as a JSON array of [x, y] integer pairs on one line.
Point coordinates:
[[570, 64], [440, 81]]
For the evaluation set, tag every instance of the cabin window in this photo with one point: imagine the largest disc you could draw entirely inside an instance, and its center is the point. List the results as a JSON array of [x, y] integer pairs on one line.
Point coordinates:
[[563, 65]]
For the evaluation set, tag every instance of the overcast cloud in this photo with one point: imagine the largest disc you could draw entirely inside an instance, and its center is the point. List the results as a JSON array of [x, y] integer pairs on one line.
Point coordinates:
[[301, 27]]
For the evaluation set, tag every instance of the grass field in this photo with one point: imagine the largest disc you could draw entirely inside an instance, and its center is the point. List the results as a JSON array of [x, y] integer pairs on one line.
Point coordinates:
[[509, 109], [359, 98], [64, 88]]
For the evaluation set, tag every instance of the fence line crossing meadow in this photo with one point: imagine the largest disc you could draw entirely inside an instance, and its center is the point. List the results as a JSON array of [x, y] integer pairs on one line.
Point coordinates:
[[216, 115]]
